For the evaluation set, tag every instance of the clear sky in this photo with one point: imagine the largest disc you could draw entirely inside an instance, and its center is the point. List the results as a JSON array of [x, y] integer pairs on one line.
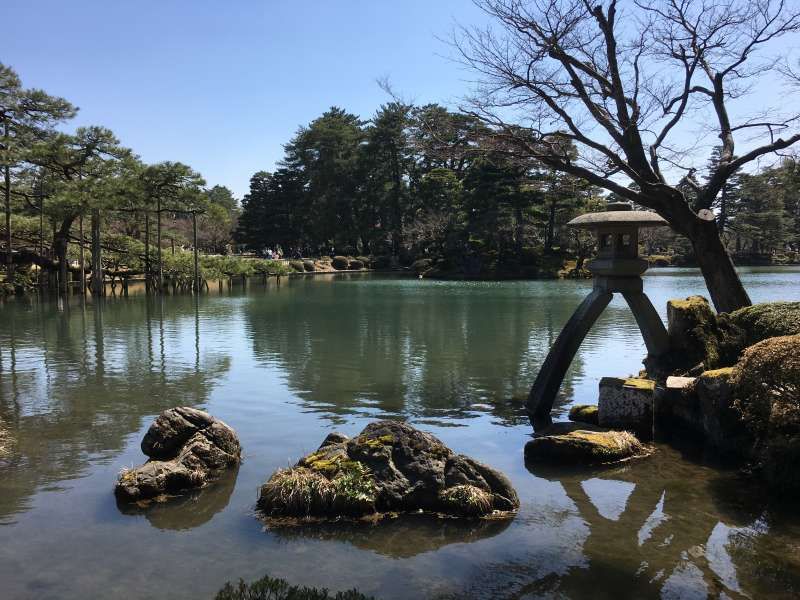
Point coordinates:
[[221, 85]]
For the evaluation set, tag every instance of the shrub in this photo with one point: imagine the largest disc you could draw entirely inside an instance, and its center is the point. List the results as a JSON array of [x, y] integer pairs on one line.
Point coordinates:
[[365, 260], [340, 263], [356, 264], [268, 588], [767, 391], [422, 265], [382, 262]]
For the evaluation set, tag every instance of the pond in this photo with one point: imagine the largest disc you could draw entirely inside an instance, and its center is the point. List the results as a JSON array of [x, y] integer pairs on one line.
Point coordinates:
[[284, 365]]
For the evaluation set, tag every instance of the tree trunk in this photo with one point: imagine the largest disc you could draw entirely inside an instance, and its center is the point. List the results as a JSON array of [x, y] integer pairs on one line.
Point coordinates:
[[147, 282], [97, 286], [60, 245], [158, 248], [82, 258], [7, 193], [722, 280]]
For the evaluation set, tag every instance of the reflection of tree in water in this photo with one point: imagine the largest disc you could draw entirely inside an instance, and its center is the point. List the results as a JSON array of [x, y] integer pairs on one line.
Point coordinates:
[[660, 527], [400, 347], [188, 510], [76, 382], [401, 537]]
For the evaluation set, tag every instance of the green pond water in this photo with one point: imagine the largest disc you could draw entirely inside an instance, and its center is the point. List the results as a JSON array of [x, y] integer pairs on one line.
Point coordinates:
[[81, 381]]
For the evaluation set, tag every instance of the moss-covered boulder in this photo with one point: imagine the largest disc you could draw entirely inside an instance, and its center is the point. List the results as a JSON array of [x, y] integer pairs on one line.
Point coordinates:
[[767, 394], [702, 340], [762, 321], [389, 467], [308, 266], [584, 413], [187, 448], [340, 263], [584, 447], [356, 264]]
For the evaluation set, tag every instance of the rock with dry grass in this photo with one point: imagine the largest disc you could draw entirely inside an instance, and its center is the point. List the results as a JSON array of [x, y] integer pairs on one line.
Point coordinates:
[[390, 467], [584, 447], [187, 448]]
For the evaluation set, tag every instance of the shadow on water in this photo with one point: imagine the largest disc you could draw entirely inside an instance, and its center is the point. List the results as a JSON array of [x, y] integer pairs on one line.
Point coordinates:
[[401, 537], [187, 510]]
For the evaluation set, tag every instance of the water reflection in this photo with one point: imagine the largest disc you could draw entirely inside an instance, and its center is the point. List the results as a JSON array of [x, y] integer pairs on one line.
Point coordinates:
[[77, 381], [398, 348], [401, 537], [659, 527], [189, 510]]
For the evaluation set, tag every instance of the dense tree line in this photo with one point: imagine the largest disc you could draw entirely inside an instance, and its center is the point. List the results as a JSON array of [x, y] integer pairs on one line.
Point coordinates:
[[426, 182], [83, 197], [410, 182]]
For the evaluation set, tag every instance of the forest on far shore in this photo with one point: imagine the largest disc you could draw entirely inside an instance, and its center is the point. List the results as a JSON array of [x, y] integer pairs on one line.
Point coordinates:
[[426, 182], [409, 183]]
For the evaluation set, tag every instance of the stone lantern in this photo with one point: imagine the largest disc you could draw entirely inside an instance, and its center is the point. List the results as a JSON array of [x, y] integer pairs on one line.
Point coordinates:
[[617, 269]]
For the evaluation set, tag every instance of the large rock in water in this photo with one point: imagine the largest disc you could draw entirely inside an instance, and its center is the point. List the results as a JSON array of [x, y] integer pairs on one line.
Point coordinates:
[[388, 467], [583, 447], [187, 448]]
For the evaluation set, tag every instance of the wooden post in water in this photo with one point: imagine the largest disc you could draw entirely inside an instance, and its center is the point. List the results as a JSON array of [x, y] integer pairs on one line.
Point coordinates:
[[194, 249], [158, 247], [147, 250], [82, 253]]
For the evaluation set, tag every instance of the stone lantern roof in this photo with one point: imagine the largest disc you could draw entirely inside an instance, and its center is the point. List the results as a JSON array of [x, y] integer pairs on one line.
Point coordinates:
[[618, 213]]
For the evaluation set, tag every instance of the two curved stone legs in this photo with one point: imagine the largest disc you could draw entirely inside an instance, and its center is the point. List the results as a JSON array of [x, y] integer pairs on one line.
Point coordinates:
[[548, 381]]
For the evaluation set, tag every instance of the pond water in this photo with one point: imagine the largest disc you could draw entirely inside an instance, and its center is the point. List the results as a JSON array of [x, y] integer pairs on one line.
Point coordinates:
[[80, 383]]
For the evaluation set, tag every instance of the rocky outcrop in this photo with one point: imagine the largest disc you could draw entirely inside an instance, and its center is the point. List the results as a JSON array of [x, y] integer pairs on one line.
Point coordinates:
[[187, 449], [390, 467], [584, 447]]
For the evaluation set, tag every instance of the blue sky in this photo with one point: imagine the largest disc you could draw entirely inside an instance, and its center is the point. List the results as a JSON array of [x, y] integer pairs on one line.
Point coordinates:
[[222, 85]]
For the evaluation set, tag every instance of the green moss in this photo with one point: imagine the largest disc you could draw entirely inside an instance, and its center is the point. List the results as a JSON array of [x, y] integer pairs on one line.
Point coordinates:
[[630, 382], [375, 442], [353, 489], [767, 395], [584, 414], [584, 447], [762, 321], [716, 373], [466, 500]]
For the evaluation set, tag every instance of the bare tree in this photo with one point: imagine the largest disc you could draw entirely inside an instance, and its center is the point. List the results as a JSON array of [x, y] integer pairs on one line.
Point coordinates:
[[641, 87]]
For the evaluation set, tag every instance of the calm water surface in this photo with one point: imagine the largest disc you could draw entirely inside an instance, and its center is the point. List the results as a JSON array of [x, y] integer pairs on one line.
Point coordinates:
[[81, 382]]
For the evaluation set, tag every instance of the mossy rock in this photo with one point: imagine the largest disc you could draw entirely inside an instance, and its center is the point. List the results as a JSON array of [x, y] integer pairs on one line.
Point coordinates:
[[766, 385], [340, 263], [356, 265], [297, 266], [308, 265], [365, 260], [584, 413], [583, 447], [762, 321], [389, 467]]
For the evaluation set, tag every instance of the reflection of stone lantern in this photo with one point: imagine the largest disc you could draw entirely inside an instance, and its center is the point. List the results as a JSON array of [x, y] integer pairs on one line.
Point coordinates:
[[617, 268]]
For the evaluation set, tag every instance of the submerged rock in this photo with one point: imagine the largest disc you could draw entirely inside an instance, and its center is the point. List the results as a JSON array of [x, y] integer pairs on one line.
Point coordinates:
[[388, 467], [187, 448], [584, 413], [584, 447]]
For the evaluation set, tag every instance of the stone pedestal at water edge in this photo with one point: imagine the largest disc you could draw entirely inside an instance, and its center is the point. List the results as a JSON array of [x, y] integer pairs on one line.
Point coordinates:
[[627, 404]]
